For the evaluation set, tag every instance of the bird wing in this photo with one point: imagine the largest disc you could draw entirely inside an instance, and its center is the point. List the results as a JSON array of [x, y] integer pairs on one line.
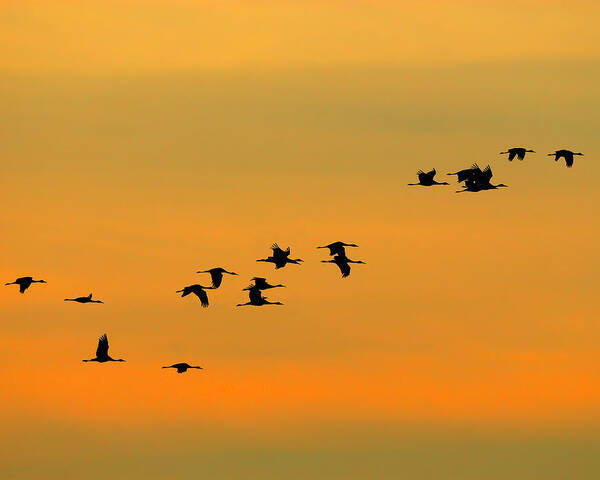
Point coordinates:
[[486, 175], [344, 267], [201, 294], [102, 349], [217, 278], [568, 159], [512, 154]]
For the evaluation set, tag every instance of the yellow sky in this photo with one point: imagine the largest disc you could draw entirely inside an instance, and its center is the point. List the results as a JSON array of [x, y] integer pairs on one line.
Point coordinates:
[[143, 141]]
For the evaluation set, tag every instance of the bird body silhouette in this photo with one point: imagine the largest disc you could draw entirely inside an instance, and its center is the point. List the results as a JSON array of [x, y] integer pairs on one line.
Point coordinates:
[[182, 367], [216, 275], [343, 264], [256, 298], [87, 299], [260, 283], [518, 152], [426, 179], [24, 283], [280, 257], [197, 290], [102, 352], [337, 248], [566, 154]]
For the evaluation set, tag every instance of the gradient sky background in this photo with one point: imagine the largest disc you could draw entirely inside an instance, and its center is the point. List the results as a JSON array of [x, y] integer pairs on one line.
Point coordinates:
[[144, 140]]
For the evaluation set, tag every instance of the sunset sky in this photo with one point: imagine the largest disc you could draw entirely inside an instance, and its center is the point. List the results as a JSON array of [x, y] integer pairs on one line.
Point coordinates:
[[142, 141]]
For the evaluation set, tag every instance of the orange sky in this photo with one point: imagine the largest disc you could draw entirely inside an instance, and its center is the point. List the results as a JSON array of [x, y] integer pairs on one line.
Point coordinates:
[[147, 140]]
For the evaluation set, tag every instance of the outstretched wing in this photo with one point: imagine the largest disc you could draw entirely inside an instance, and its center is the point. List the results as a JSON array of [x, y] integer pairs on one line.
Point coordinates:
[[102, 350], [512, 154]]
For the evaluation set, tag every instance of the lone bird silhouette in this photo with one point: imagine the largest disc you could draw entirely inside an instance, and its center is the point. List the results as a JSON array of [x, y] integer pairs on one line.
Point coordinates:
[[197, 290], [216, 274], [24, 283], [260, 283], [182, 367], [280, 257], [87, 299], [426, 179], [343, 264], [518, 152], [102, 352], [337, 248], [566, 154], [256, 298]]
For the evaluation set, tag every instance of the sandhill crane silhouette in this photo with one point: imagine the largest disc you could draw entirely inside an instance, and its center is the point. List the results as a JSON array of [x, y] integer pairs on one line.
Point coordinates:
[[426, 179], [260, 283], [337, 248], [256, 298], [216, 274], [280, 257], [467, 173], [102, 352], [87, 299], [343, 264], [518, 152], [24, 283], [566, 154], [182, 367], [197, 290]]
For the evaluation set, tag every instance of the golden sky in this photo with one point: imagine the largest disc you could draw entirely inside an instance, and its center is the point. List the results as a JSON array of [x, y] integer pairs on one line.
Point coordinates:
[[143, 141]]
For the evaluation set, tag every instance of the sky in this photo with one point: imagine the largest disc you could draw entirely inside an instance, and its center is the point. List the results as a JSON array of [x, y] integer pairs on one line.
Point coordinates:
[[143, 141]]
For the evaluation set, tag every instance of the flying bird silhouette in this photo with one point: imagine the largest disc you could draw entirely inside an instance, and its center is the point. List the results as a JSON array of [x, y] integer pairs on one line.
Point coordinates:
[[260, 283], [343, 264], [566, 154], [467, 173], [426, 179], [197, 290], [102, 352], [280, 257], [256, 298], [182, 367], [518, 152], [337, 248], [24, 283], [216, 274], [87, 299]]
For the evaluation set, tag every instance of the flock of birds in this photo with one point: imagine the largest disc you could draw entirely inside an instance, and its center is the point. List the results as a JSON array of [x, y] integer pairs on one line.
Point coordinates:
[[280, 258], [477, 180]]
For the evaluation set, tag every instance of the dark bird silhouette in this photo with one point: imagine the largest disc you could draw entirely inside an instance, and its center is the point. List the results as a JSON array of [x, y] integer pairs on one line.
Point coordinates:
[[260, 283], [24, 283], [280, 257], [566, 154], [518, 152], [182, 367], [256, 298], [337, 248], [197, 290], [87, 299], [216, 274], [343, 264], [480, 183], [426, 179], [467, 173], [102, 352]]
